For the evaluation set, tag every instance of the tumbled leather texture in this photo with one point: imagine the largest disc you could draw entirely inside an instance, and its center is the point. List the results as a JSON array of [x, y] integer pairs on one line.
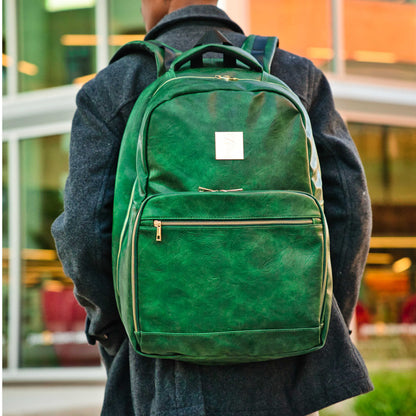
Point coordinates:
[[256, 288]]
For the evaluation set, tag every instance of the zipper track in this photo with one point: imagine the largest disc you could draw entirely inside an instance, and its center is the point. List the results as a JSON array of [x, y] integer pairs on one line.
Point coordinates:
[[236, 222], [158, 224], [133, 274], [284, 90]]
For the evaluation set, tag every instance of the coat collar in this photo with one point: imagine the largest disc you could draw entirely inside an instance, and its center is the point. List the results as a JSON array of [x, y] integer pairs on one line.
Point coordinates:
[[204, 14]]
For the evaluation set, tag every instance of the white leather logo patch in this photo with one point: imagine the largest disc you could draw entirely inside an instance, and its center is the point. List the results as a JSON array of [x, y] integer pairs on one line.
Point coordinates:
[[229, 145]]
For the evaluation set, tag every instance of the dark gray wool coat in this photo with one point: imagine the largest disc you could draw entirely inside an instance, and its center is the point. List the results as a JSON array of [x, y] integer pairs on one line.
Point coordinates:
[[142, 386]]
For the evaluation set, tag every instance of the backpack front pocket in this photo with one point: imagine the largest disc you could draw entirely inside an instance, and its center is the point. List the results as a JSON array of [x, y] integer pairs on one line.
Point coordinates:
[[158, 224], [214, 282]]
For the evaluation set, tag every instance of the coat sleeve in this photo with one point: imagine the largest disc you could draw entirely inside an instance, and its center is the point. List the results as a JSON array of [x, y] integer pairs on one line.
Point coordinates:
[[346, 198], [82, 232]]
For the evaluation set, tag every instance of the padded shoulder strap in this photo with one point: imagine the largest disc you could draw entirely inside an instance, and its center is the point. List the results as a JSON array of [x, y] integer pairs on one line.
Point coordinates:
[[163, 54], [262, 48]]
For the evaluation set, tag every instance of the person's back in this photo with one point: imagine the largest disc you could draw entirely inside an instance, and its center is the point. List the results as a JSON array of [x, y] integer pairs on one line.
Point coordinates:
[[143, 386]]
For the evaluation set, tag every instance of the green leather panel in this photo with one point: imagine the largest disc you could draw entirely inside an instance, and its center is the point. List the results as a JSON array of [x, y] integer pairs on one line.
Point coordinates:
[[231, 205], [203, 279], [261, 345], [193, 163]]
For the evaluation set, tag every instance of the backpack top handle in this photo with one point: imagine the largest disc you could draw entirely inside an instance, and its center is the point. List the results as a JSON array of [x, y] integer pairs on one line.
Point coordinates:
[[230, 54]]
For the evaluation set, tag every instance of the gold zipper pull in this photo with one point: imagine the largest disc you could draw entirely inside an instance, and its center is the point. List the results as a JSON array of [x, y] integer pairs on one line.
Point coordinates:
[[226, 77], [158, 225], [201, 189]]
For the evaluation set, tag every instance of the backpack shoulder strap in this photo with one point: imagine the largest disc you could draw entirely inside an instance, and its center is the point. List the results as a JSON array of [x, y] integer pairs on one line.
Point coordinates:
[[262, 48], [162, 54]]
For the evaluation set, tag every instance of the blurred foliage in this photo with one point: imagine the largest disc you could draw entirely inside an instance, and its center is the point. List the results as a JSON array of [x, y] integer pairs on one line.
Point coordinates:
[[394, 395]]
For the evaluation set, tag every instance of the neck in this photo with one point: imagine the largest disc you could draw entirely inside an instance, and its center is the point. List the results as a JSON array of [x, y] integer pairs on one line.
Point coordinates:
[[180, 4]]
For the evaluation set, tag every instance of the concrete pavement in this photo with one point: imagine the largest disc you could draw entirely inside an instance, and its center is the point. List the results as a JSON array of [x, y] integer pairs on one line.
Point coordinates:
[[57, 399]]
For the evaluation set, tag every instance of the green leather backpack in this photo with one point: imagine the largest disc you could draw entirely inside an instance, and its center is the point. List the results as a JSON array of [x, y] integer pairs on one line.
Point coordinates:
[[220, 244]]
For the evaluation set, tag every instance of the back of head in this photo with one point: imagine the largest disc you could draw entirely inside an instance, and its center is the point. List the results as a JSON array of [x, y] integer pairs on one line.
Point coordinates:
[[154, 10]]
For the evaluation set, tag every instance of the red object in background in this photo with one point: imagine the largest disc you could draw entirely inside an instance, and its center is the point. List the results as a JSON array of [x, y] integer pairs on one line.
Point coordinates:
[[61, 311], [408, 315], [63, 314], [362, 315]]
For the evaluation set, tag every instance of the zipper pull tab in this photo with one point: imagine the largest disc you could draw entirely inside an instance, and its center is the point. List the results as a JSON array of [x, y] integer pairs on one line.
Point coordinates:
[[158, 225], [201, 189], [226, 77]]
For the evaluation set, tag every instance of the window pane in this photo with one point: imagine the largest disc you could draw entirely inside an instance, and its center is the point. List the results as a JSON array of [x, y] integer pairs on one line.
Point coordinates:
[[389, 157], [5, 266], [386, 312], [52, 321], [380, 38], [303, 27], [126, 23], [56, 43]]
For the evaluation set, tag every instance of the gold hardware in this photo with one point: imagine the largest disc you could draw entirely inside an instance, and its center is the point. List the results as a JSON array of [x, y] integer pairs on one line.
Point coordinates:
[[158, 225], [226, 77], [201, 189]]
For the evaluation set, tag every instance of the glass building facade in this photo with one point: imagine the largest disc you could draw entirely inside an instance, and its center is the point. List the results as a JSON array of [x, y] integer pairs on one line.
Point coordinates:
[[367, 48]]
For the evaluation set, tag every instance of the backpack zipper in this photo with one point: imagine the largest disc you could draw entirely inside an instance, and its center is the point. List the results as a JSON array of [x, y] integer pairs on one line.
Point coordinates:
[[227, 78], [202, 189], [158, 224], [282, 89]]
